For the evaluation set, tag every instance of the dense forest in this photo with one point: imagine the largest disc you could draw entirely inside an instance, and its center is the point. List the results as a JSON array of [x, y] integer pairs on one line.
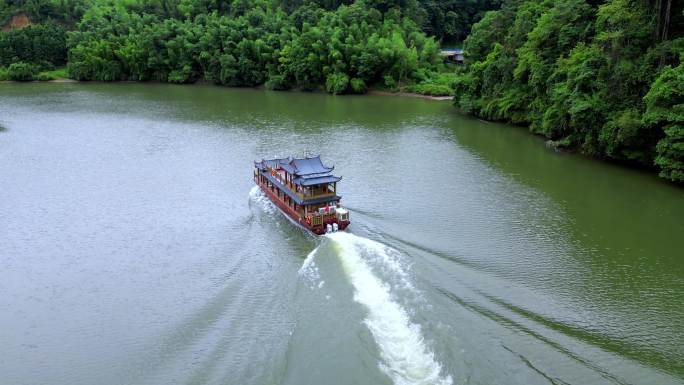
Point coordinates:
[[605, 77], [336, 45]]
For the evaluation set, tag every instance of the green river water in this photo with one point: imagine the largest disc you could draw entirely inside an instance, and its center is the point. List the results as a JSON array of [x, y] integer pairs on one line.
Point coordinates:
[[134, 248]]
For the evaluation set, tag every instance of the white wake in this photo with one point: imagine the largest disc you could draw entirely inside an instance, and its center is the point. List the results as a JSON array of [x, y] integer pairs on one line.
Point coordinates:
[[406, 358], [257, 196], [309, 269]]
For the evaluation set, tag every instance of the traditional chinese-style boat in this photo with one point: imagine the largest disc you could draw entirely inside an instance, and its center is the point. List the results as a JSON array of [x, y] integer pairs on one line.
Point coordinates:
[[305, 190]]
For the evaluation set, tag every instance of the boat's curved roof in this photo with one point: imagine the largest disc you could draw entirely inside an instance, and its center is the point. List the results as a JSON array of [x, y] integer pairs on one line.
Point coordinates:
[[308, 166], [306, 171], [317, 180]]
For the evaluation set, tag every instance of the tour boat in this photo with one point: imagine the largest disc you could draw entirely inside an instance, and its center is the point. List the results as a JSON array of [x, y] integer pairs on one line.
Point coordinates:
[[305, 190]]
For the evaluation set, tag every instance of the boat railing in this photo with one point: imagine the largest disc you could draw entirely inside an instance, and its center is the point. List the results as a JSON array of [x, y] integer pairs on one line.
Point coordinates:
[[302, 195], [327, 194], [316, 220], [319, 219]]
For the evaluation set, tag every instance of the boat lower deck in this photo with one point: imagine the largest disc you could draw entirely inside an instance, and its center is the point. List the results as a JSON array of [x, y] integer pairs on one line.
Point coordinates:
[[316, 224]]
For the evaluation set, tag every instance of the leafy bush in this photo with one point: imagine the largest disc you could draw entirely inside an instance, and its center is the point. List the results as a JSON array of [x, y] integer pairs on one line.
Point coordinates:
[[4, 74], [43, 77], [358, 86], [58, 73], [180, 76], [665, 110], [22, 72], [337, 83], [431, 89], [389, 82], [435, 84], [670, 157], [277, 83]]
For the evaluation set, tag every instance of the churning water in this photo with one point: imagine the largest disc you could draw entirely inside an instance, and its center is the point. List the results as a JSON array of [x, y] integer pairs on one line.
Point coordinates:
[[406, 358]]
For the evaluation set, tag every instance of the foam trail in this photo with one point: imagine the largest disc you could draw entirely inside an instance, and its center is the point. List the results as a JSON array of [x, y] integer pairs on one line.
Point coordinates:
[[387, 258], [258, 196], [255, 192], [406, 358], [308, 264]]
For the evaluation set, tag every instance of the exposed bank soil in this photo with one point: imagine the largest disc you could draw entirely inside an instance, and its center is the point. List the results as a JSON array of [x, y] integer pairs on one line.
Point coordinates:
[[409, 94], [17, 22]]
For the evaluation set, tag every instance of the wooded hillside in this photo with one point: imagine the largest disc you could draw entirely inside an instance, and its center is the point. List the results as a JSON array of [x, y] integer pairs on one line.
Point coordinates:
[[606, 78]]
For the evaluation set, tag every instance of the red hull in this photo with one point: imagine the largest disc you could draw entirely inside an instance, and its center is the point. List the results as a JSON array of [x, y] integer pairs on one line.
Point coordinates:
[[294, 215]]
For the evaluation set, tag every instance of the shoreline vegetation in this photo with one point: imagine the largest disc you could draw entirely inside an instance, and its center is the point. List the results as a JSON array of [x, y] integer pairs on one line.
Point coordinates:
[[370, 91], [426, 90], [604, 78], [601, 77]]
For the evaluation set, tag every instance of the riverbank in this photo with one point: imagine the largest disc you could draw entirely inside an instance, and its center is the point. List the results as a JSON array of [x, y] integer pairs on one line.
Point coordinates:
[[372, 91], [408, 94], [25, 72], [58, 80]]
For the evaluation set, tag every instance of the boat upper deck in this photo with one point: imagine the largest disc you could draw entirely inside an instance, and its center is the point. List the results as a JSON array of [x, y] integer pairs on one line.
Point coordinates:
[[307, 181]]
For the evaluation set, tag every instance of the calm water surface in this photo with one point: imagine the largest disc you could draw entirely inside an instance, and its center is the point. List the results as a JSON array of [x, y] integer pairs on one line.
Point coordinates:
[[135, 250]]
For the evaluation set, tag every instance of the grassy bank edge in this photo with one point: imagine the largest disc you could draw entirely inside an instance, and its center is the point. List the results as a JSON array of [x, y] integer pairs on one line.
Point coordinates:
[[436, 87], [28, 74]]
